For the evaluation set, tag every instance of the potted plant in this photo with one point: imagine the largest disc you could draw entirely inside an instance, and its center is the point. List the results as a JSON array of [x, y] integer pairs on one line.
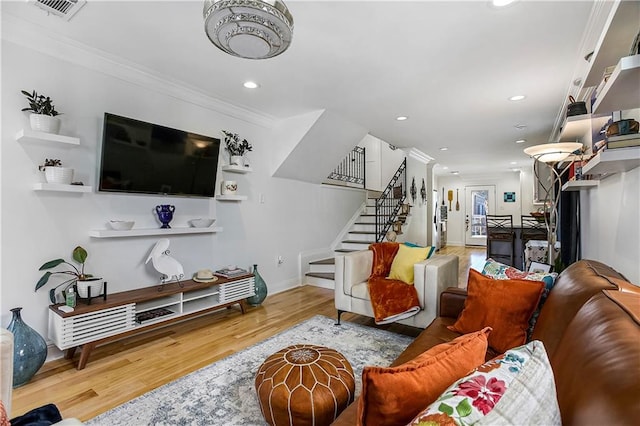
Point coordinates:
[[43, 113], [55, 173], [83, 281], [236, 148]]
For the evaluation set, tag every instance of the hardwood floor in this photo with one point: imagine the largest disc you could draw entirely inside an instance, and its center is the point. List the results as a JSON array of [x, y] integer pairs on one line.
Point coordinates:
[[125, 369]]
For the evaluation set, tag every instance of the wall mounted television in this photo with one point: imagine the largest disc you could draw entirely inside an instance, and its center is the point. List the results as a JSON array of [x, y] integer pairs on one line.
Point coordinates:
[[144, 158]]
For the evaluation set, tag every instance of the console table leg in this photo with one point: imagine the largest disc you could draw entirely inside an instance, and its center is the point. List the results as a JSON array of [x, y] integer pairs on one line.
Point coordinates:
[[69, 353], [84, 355]]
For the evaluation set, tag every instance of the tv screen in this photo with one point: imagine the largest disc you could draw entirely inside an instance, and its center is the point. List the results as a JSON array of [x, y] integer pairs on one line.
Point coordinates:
[[145, 158]]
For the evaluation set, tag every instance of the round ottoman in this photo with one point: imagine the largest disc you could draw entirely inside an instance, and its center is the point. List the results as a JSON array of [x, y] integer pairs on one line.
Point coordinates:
[[304, 385]]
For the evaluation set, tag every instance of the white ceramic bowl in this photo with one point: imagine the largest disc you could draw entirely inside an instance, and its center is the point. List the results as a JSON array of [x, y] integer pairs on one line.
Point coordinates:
[[201, 223], [121, 225]]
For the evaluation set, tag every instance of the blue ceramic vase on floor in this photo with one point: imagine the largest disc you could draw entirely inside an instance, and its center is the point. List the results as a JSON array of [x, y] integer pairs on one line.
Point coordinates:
[[260, 287], [29, 349]]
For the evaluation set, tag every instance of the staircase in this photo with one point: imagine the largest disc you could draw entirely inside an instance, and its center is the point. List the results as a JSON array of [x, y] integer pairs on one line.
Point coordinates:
[[360, 236]]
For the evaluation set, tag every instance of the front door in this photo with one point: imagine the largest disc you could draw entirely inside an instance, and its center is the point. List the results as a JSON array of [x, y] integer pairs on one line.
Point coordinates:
[[480, 201]]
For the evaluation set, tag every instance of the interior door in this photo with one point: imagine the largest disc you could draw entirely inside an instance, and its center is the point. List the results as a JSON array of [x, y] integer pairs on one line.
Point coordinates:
[[480, 201]]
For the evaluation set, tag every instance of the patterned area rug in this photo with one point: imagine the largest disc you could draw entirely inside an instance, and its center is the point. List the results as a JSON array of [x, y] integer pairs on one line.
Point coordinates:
[[223, 393]]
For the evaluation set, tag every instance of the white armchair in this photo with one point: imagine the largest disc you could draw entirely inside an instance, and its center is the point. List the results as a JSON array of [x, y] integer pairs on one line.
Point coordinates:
[[431, 277]]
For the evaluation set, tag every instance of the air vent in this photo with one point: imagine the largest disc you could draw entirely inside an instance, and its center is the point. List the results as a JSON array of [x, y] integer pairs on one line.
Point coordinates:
[[62, 8]]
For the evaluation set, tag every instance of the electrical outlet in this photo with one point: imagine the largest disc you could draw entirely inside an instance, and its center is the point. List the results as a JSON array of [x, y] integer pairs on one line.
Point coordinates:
[[280, 260]]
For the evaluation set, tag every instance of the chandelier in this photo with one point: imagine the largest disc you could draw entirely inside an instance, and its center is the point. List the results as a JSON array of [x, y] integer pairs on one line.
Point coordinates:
[[251, 29]]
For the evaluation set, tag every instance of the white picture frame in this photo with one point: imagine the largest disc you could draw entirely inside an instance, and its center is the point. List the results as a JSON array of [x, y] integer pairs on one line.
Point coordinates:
[[539, 267]]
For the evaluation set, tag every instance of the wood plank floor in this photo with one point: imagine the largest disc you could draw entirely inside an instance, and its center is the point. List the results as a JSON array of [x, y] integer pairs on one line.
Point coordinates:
[[122, 370]]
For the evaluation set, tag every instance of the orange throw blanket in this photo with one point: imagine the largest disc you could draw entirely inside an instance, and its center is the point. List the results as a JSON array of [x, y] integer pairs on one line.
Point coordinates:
[[391, 300]]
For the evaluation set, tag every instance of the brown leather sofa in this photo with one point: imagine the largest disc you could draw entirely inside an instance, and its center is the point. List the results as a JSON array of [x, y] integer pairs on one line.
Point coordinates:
[[590, 326]]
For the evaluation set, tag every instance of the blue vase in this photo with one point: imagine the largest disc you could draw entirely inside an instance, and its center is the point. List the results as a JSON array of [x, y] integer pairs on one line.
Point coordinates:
[[29, 349], [165, 214], [260, 288]]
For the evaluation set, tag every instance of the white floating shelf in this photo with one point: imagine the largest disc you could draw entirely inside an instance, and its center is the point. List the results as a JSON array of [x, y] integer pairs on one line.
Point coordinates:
[[579, 185], [60, 187], [231, 197], [622, 90], [580, 127], [237, 169], [110, 233], [40, 137], [610, 161]]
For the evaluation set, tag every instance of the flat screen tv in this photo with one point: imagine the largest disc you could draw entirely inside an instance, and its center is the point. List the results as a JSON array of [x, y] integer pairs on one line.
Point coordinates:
[[145, 158]]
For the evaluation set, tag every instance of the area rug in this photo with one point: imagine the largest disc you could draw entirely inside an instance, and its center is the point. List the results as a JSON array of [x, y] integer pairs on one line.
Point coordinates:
[[223, 393]]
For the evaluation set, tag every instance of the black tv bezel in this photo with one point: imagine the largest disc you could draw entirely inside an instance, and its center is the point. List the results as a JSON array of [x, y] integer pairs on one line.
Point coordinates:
[[138, 192]]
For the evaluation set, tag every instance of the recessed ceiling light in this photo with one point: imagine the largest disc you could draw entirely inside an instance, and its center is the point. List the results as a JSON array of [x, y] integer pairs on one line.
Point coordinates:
[[250, 85], [455, 172], [401, 118], [520, 126], [517, 97], [445, 167], [501, 3], [444, 148], [515, 169], [521, 141], [513, 163]]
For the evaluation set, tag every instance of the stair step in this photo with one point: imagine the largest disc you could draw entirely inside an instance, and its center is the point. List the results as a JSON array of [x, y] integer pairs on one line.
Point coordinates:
[[356, 242], [328, 261], [323, 275], [363, 232], [345, 250]]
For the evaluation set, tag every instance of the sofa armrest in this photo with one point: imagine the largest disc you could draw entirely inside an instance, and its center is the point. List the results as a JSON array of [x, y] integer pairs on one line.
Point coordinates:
[[351, 269], [431, 277], [452, 302]]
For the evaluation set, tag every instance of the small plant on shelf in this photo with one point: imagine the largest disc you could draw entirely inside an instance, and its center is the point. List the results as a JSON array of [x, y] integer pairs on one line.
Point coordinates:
[[79, 255], [234, 145], [40, 104], [50, 163]]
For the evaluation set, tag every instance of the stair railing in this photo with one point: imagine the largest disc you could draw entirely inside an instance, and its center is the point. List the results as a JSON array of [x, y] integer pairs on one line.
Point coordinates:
[[389, 203], [351, 168]]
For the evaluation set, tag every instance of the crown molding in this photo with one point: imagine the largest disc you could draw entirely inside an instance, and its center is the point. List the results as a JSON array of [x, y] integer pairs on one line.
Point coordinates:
[[416, 154], [37, 38]]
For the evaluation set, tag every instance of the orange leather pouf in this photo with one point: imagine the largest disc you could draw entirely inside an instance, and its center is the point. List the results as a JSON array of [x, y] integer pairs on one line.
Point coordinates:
[[304, 385]]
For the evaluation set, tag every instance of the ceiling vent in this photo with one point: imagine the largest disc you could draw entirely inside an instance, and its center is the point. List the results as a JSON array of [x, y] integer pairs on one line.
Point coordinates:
[[62, 8]]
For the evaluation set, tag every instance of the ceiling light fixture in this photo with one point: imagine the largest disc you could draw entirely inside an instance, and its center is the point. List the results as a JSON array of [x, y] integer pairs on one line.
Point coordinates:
[[517, 97], [455, 172], [251, 29], [444, 148], [521, 141], [501, 3], [513, 163], [250, 85], [401, 118]]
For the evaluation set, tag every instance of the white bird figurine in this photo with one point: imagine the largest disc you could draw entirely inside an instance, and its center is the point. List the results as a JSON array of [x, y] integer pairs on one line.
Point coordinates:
[[170, 268]]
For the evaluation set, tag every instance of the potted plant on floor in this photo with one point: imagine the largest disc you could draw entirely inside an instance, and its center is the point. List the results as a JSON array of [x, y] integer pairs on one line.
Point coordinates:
[[55, 173], [83, 281], [236, 148], [43, 113]]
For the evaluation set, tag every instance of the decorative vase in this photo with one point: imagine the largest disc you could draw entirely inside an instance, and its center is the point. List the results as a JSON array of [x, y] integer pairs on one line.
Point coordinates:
[[29, 349], [165, 214], [44, 123], [229, 187], [61, 175], [236, 160], [95, 284], [260, 288]]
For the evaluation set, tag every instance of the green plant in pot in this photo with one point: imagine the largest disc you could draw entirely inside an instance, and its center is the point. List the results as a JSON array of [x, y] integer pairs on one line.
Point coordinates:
[[77, 276], [55, 173], [236, 148], [43, 113]]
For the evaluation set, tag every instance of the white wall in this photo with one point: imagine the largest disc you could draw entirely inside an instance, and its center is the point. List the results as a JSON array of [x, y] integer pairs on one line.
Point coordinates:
[[421, 215], [503, 182], [38, 226], [610, 224]]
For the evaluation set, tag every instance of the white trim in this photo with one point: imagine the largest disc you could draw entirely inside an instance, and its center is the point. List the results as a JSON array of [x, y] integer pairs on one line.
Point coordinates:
[[418, 155], [347, 227], [31, 36]]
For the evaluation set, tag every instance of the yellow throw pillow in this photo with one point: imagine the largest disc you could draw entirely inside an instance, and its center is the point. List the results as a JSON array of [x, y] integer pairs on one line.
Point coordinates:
[[402, 266]]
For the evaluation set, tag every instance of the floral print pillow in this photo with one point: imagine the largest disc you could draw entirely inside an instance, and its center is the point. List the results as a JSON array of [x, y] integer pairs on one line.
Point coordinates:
[[500, 271], [471, 398]]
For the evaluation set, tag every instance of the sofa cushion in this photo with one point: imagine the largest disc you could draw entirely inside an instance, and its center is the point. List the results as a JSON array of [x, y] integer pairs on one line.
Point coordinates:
[[394, 395], [513, 389], [597, 362], [405, 258], [500, 271], [504, 305]]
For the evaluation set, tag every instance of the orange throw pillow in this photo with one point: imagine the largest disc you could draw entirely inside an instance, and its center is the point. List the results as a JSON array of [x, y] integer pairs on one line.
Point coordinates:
[[504, 305], [395, 395]]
